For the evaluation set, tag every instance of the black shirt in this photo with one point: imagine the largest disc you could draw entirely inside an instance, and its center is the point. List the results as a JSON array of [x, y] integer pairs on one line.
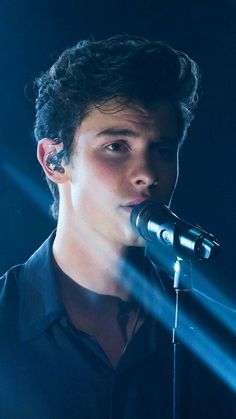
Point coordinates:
[[110, 320], [49, 369]]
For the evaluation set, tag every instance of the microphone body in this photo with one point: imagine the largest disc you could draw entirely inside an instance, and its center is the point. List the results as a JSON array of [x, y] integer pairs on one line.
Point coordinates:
[[157, 223]]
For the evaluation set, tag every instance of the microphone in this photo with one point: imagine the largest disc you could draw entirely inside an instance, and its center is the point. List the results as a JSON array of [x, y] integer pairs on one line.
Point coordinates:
[[157, 223]]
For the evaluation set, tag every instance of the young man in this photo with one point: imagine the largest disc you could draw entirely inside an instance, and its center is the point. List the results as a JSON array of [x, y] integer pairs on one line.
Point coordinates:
[[76, 342]]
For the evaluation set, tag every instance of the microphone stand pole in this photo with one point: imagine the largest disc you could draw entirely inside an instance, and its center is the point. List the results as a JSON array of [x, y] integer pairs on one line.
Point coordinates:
[[182, 286]]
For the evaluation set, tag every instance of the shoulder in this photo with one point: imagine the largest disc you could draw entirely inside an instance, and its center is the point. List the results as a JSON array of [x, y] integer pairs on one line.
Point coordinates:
[[9, 302], [9, 284]]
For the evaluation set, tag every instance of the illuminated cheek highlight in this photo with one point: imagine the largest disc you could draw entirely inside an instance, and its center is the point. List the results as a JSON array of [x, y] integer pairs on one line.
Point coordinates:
[[106, 173]]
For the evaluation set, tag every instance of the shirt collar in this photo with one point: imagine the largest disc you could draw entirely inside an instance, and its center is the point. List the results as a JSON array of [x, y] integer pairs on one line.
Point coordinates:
[[39, 300]]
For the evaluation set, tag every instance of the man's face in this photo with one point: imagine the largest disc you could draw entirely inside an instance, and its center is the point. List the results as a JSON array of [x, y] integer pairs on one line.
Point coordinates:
[[117, 157]]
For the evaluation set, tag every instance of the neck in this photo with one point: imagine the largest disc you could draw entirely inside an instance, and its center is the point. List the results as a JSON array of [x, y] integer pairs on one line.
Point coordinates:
[[93, 262]]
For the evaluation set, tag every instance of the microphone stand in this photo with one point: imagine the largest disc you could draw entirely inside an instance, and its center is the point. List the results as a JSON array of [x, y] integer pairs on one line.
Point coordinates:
[[155, 222], [182, 286]]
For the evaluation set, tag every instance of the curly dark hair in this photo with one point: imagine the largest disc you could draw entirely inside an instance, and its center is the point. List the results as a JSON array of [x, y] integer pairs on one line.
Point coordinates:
[[131, 68]]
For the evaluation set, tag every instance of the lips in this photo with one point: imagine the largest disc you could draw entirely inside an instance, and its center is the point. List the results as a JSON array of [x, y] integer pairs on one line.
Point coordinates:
[[129, 206], [135, 202]]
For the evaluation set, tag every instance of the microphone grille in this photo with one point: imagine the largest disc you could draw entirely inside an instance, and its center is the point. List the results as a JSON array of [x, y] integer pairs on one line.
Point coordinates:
[[140, 216]]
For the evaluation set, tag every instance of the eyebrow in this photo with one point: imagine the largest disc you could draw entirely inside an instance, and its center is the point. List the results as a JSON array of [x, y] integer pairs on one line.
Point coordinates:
[[127, 132], [123, 132]]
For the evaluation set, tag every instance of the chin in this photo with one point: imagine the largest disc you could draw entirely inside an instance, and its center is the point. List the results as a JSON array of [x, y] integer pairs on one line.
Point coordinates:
[[132, 239]]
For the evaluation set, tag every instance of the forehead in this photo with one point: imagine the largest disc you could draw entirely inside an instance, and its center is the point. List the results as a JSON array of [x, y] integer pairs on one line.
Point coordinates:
[[163, 119]]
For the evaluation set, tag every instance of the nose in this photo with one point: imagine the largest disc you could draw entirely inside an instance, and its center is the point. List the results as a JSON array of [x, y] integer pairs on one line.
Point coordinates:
[[143, 175]]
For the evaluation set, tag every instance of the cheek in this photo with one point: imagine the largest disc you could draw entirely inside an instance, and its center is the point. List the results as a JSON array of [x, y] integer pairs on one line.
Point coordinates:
[[172, 182], [168, 180], [98, 177], [169, 172], [105, 174], [173, 176]]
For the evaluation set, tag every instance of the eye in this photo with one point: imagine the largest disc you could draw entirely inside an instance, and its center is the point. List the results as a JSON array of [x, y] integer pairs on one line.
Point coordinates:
[[117, 147], [165, 151]]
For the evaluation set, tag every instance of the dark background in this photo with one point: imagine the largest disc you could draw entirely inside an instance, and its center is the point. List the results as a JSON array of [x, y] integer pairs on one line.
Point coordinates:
[[34, 33]]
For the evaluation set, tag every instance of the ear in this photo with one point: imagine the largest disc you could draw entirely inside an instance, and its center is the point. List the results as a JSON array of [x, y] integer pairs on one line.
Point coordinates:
[[47, 151]]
